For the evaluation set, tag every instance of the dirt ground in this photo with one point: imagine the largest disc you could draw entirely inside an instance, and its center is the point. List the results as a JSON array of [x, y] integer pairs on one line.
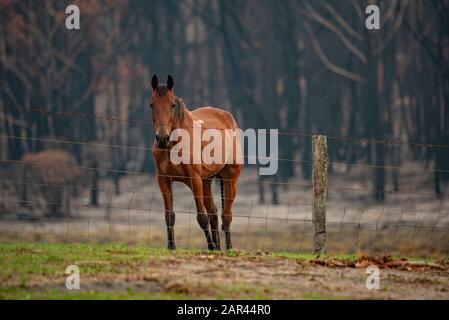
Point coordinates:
[[279, 279], [209, 276], [236, 275]]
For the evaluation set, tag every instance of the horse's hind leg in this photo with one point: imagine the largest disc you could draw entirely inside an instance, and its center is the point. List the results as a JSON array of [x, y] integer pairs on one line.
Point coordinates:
[[229, 177], [211, 211], [201, 217], [167, 194]]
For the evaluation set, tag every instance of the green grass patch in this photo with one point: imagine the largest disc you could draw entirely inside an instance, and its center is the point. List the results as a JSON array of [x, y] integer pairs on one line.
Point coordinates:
[[20, 294]]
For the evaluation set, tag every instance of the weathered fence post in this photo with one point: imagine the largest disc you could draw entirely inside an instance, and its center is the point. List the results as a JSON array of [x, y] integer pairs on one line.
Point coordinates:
[[319, 172]]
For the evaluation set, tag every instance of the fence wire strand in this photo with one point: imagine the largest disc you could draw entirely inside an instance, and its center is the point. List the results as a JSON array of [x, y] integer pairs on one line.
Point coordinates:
[[290, 224]]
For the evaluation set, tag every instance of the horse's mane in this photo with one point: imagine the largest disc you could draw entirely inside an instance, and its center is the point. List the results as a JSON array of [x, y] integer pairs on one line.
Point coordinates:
[[180, 106]]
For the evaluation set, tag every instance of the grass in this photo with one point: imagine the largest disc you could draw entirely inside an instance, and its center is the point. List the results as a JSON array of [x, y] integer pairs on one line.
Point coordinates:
[[21, 262], [25, 259], [26, 268], [19, 294]]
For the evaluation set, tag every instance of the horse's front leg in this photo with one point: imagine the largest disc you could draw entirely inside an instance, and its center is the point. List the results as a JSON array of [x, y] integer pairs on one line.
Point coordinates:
[[202, 217], [165, 185]]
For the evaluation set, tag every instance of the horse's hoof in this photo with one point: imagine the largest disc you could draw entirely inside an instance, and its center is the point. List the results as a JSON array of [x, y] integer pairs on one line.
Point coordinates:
[[171, 246], [211, 247]]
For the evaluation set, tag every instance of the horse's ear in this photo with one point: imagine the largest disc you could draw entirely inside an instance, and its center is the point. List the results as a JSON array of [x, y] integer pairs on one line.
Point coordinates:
[[154, 82], [170, 82]]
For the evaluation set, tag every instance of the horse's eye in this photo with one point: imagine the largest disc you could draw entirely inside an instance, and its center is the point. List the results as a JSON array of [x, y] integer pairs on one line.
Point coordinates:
[[173, 105], [151, 105]]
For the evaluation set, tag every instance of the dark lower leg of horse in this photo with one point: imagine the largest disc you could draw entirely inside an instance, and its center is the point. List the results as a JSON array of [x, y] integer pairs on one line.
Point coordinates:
[[170, 222], [226, 219], [203, 221], [171, 238], [228, 239], [213, 219]]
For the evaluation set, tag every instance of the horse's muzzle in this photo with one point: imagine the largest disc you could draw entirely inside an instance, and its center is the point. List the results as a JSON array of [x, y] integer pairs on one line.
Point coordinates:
[[162, 141]]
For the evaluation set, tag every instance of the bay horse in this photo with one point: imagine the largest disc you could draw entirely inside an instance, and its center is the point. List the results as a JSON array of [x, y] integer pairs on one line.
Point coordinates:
[[169, 113]]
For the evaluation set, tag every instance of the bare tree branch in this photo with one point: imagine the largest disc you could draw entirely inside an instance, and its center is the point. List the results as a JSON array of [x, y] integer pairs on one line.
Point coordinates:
[[327, 62], [315, 16]]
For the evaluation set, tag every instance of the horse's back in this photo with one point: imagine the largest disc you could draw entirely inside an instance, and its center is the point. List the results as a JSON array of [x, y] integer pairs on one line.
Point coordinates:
[[215, 118]]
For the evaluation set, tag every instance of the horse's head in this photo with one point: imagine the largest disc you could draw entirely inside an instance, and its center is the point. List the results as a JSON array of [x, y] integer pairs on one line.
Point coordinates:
[[165, 108]]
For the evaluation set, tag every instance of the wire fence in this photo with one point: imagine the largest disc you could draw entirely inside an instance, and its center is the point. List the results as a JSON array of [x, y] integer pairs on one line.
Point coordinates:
[[33, 207]]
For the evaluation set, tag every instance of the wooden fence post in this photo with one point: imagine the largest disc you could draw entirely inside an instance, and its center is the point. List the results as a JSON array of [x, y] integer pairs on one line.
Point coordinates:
[[319, 172]]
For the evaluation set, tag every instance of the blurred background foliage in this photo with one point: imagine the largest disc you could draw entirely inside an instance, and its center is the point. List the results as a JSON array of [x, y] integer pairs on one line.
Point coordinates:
[[300, 66]]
